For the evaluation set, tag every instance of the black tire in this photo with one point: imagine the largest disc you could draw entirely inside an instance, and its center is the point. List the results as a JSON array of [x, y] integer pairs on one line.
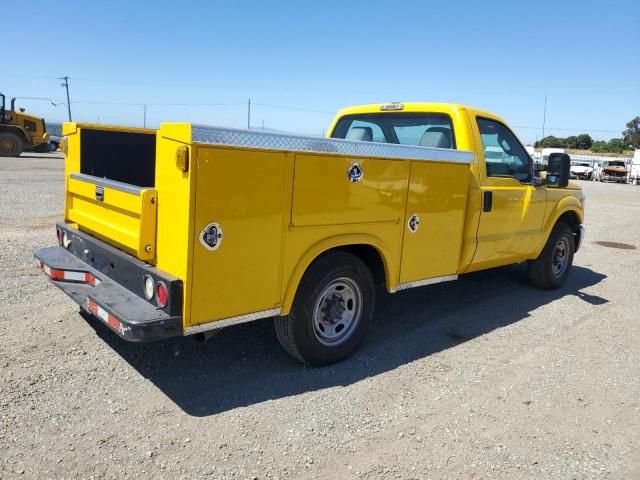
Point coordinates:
[[300, 332], [11, 145], [545, 271]]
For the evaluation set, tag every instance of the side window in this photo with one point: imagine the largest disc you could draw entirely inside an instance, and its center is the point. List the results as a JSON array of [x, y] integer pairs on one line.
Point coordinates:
[[30, 126], [504, 155], [365, 131]]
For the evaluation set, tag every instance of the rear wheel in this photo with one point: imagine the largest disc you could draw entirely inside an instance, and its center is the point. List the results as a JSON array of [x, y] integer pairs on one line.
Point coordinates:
[[552, 267], [332, 310], [10, 144]]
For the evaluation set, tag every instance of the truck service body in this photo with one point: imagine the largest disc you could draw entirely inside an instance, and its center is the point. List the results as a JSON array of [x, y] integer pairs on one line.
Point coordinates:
[[190, 228]]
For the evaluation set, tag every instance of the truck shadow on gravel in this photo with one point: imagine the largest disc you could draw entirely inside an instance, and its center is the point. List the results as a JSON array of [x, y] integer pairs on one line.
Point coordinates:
[[245, 365]]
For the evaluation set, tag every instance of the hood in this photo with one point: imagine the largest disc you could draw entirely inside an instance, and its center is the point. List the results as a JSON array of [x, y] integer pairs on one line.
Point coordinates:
[[580, 168], [615, 169]]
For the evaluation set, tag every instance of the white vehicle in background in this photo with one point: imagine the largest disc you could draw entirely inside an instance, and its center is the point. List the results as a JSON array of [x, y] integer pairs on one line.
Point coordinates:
[[54, 143], [548, 151], [581, 170], [531, 151], [634, 173], [610, 171]]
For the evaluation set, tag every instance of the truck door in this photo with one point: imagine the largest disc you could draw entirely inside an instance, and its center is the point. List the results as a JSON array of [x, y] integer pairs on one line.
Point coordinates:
[[512, 207]]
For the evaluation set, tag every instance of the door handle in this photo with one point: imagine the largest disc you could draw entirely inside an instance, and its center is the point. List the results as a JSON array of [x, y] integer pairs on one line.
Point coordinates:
[[487, 203]]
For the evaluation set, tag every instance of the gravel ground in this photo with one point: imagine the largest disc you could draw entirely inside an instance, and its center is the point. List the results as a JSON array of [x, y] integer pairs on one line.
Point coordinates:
[[481, 378]]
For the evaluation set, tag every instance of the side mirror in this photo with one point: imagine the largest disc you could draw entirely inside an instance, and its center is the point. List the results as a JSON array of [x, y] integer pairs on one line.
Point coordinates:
[[558, 171]]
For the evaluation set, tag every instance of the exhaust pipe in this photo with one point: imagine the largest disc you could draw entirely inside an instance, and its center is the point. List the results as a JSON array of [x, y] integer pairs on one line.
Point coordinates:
[[13, 104]]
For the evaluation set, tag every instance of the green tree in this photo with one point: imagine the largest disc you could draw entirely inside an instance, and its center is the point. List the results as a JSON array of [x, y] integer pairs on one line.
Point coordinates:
[[583, 141], [552, 142], [571, 142], [615, 145], [599, 146], [631, 136]]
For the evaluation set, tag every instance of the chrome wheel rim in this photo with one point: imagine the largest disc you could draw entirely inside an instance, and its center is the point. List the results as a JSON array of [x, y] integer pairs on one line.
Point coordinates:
[[560, 257], [337, 312]]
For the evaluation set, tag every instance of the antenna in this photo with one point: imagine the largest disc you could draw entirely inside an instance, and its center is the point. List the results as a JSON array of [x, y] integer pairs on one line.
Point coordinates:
[[544, 115]]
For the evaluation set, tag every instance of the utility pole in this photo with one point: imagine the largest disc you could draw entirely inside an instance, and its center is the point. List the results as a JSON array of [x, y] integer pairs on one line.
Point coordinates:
[[144, 122], [544, 115], [66, 86], [249, 114]]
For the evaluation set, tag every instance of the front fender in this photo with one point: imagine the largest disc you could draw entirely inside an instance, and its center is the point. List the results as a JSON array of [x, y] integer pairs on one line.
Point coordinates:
[[566, 204], [337, 241]]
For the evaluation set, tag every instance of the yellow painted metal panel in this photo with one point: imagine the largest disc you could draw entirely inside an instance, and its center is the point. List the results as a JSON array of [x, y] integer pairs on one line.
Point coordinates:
[[124, 219], [465, 140], [324, 195], [305, 244], [438, 196], [176, 197], [245, 192], [510, 232]]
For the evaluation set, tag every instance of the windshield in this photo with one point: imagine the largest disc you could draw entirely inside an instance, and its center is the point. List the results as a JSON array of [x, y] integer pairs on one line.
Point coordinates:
[[422, 129]]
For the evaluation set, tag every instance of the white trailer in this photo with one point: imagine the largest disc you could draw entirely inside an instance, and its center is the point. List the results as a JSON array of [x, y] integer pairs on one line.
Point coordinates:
[[634, 171]]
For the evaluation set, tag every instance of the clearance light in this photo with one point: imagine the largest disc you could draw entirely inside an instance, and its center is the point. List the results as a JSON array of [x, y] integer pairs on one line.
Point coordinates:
[[149, 287], [162, 294], [182, 158], [392, 106]]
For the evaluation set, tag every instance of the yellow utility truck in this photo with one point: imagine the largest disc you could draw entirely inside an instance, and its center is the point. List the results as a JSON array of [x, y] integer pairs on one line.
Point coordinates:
[[20, 132], [189, 228]]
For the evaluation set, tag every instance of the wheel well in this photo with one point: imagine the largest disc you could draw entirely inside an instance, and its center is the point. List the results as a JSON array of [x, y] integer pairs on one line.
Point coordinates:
[[371, 258], [16, 131], [571, 219]]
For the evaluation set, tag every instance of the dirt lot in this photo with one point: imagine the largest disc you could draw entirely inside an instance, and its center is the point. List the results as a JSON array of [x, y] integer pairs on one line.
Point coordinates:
[[481, 378]]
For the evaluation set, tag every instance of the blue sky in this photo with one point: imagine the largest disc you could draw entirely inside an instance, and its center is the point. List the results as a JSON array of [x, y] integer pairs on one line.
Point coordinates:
[[502, 56]]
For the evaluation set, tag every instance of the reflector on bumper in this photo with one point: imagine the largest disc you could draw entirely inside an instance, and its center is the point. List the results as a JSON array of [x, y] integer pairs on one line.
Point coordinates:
[[131, 317], [69, 275]]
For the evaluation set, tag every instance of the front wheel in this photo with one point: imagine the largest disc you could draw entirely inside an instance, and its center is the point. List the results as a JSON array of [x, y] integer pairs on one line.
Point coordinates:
[[552, 267], [332, 310]]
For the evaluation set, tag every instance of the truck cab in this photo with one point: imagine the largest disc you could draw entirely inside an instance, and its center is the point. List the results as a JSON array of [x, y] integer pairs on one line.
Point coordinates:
[[510, 211]]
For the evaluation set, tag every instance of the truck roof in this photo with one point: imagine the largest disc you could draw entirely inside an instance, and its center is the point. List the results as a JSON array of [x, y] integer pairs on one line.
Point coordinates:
[[432, 107]]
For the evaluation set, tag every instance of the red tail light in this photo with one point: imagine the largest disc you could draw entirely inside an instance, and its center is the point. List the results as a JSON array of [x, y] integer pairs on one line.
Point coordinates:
[[162, 294]]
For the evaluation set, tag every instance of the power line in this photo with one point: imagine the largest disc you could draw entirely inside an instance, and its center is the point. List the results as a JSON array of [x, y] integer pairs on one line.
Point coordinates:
[[569, 129], [280, 107], [139, 104], [299, 109]]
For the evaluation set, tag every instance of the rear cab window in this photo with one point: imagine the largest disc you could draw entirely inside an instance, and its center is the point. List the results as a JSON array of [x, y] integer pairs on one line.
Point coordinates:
[[419, 129]]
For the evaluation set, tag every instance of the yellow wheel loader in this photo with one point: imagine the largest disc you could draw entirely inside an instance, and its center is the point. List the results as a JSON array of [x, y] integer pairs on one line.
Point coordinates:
[[20, 132]]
